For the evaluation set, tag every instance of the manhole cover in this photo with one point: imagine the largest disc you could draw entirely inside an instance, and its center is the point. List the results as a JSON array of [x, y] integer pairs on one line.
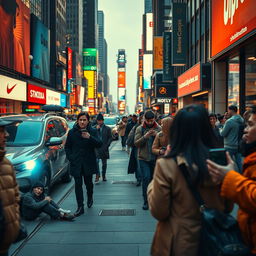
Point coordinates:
[[117, 212], [123, 182]]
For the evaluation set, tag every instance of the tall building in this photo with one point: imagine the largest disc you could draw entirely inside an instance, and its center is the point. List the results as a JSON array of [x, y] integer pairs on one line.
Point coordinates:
[[75, 25], [34, 6], [148, 6], [105, 68], [90, 9]]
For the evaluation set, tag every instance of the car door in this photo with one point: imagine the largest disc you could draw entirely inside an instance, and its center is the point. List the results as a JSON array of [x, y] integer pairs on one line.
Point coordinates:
[[52, 152], [61, 131]]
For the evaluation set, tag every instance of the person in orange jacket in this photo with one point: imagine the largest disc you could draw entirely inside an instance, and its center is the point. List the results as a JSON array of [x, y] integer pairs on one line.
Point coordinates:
[[241, 188]]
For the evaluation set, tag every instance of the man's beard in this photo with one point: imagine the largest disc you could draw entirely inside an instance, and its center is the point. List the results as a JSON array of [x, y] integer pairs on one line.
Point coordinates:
[[247, 148]]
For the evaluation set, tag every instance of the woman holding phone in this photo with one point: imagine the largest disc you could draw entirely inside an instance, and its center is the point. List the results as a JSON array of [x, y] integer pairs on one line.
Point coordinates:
[[170, 199], [80, 150]]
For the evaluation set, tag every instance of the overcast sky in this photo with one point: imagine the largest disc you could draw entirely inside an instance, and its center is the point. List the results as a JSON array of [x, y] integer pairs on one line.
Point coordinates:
[[123, 30]]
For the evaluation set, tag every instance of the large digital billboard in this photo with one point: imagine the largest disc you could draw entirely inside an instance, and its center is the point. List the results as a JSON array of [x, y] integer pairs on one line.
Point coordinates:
[[121, 79], [70, 62], [235, 18], [158, 53], [90, 59], [147, 70], [15, 36], [40, 49], [90, 76], [149, 31], [121, 58]]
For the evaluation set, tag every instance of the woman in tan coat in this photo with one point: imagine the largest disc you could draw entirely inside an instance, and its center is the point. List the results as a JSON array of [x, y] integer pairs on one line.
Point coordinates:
[[162, 138], [9, 195], [170, 200]]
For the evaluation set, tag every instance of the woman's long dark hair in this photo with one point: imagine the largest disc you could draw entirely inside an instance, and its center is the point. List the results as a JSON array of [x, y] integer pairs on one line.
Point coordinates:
[[191, 135]]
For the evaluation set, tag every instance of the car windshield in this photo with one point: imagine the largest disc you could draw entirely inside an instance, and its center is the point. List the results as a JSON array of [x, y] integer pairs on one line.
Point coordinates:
[[110, 120], [26, 133]]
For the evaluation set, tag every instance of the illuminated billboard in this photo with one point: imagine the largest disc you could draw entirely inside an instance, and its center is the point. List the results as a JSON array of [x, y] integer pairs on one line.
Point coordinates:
[[70, 62], [158, 53], [90, 76], [121, 79], [236, 18], [147, 70], [90, 59], [121, 58], [121, 94], [40, 49], [149, 31], [15, 36]]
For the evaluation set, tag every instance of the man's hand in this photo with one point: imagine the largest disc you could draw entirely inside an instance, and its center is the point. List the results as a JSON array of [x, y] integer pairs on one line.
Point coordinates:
[[150, 133], [98, 126], [86, 135], [47, 198], [218, 172]]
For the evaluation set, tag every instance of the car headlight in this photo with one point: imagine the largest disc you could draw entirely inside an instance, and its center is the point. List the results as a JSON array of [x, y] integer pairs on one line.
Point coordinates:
[[30, 165]]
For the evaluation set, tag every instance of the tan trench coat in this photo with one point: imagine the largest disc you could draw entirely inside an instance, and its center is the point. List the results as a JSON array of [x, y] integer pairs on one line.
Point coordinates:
[[177, 212]]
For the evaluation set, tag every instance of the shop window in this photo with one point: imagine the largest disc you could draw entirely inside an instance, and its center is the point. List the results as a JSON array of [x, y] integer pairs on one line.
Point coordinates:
[[250, 75], [233, 81]]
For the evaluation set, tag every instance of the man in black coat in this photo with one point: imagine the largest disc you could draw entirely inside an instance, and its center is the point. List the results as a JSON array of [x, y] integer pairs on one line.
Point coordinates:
[[80, 148], [102, 153]]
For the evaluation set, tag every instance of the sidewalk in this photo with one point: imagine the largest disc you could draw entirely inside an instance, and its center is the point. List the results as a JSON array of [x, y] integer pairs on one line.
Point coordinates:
[[94, 235]]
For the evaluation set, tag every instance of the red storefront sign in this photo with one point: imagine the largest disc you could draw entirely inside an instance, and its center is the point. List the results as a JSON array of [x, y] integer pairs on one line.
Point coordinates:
[[36, 94], [231, 20], [70, 63], [189, 82]]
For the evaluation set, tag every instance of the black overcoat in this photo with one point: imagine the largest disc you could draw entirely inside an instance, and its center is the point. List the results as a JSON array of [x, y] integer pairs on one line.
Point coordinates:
[[106, 137], [81, 152]]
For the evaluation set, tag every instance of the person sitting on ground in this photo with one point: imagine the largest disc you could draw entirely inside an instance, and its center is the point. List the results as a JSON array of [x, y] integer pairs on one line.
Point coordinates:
[[241, 188], [35, 202]]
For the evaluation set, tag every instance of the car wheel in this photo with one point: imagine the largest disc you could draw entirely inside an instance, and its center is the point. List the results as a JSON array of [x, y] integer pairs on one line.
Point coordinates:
[[66, 177]]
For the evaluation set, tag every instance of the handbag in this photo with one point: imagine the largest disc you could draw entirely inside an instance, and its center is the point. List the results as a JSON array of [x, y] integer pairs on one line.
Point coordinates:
[[220, 234], [23, 233]]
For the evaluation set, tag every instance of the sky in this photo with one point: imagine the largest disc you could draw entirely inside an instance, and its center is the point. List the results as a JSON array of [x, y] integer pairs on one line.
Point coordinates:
[[123, 30]]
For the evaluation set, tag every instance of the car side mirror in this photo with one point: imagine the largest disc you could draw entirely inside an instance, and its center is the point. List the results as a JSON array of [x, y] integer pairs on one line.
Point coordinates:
[[54, 141]]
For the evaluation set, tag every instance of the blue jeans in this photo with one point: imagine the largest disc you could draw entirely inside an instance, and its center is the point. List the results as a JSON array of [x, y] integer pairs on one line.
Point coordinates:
[[147, 170], [236, 156]]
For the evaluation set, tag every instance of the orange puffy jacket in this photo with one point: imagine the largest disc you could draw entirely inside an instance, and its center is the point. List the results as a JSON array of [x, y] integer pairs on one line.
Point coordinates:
[[242, 190]]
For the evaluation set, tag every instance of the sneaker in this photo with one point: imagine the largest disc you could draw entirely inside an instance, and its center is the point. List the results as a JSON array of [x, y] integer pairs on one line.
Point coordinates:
[[104, 178], [67, 216], [97, 178], [64, 211]]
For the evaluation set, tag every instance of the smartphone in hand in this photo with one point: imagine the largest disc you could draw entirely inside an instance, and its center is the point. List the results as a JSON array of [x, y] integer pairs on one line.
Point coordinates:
[[218, 155]]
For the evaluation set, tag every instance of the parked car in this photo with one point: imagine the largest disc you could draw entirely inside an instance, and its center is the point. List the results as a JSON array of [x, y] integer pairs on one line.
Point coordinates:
[[112, 122], [35, 146]]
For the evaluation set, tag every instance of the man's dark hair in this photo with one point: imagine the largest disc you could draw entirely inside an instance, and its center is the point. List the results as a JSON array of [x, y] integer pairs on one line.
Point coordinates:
[[233, 108], [220, 117], [149, 114], [83, 114], [212, 115]]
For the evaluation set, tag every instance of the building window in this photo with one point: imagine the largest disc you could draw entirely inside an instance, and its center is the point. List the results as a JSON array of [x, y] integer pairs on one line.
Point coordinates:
[[250, 75], [233, 81]]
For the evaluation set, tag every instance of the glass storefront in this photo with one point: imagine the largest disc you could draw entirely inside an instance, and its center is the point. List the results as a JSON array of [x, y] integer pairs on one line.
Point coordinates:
[[250, 75], [233, 81]]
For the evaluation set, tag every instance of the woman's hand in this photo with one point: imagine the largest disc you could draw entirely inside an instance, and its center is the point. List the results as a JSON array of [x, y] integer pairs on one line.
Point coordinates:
[[218, 172]]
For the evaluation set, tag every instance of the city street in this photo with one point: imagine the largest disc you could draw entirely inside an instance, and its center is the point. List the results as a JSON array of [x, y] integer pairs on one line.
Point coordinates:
[[92, 234]]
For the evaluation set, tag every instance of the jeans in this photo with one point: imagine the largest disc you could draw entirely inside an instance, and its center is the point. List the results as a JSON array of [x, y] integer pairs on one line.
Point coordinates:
[[79, 188], [51, 209], [104, 166], [138, 170], [123, 140], [147, 170], [236, 156]]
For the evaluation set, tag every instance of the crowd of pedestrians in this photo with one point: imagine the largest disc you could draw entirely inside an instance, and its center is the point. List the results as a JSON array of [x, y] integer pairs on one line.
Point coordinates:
[[170, 159]]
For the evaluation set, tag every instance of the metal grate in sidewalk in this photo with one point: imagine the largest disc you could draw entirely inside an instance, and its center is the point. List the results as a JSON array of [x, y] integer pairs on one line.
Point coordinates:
[[123, 182], [117, 212]]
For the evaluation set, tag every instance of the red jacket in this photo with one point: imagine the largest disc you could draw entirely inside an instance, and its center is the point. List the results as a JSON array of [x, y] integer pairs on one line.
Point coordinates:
[[242, 190]]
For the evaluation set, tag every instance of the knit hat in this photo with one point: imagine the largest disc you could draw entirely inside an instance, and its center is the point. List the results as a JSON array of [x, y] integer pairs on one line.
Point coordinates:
[[100, 117], [38, 184]]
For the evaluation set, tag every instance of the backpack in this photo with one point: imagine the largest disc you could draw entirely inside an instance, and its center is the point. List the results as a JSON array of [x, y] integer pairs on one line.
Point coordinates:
[[220, 234]]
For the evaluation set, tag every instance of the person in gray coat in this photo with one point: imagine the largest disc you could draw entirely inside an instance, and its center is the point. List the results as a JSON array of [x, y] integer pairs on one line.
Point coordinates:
[[104, 132], [232, 133]]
